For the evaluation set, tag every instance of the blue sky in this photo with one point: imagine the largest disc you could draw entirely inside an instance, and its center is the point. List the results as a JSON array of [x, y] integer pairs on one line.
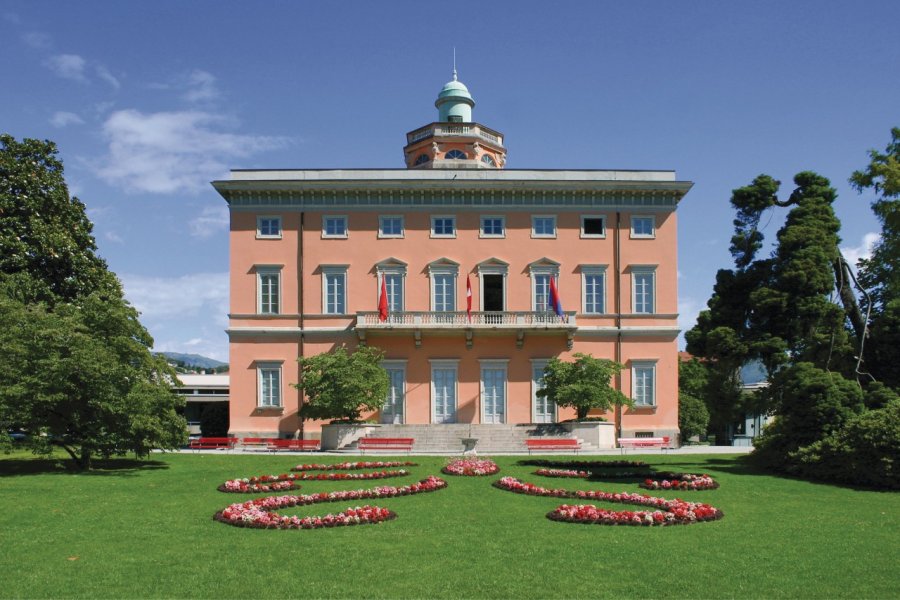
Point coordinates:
[[149, 101]]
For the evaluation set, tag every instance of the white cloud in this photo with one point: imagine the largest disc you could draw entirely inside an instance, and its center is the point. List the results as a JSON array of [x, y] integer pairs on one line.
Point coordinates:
[[68, 66], [212, 220], [163, 298], [114, 237], [688, 309], [104, 74], [63, 118], [864, 250], [169, 152], [37, 40], [201, 87]]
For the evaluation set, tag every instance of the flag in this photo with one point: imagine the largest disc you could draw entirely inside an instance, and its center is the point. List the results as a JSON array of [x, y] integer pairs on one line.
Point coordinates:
[[469, 297], [382, 302], [555, 302]]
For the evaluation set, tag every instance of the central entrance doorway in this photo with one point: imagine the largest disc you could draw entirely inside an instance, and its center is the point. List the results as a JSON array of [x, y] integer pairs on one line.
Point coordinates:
[[493, 393]]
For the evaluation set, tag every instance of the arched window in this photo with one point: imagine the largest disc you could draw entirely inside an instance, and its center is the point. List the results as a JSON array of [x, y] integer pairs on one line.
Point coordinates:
[[488, 160], [455, 154], [422, 159]]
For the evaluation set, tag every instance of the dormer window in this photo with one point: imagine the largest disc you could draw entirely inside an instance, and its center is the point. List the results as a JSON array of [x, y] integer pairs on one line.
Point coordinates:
[[456, 155], [422, 159]]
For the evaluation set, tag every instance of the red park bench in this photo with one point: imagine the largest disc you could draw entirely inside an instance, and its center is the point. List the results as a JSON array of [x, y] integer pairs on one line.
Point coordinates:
[[275, 445], [213, 443], [644, 442], [257, 443], [565, 444], [374, 443]]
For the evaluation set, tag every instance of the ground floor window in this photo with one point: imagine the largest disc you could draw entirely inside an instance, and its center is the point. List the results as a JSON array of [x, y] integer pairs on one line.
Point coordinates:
[[493, 391], [392, 412], [543, 410], [269, 381], [443, 390], [643, 383]]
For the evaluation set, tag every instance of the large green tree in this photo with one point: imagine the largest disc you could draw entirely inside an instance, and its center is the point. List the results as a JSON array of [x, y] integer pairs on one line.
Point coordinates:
[[76, 369], [879, 273], [341, 385], [582, 384]]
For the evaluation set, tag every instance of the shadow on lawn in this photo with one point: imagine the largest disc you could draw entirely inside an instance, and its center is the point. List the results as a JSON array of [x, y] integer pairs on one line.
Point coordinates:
[[119, 467]]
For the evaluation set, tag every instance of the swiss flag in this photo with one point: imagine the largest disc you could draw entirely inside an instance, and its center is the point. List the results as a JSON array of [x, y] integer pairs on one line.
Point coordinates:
[[382, 302], [469, 297]]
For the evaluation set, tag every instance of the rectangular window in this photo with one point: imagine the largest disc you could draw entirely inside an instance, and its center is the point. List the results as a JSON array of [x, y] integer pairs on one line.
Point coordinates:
[[268, 282], [593, 226], [492, 227], [444, 292], [643, 383], [390, 226], [268, 227], [644, 294], [334, 226], [543, 226], [443, 226], [269, 377], [393, 283], [594, 282], [643, 227], [334, 299], [541, 300]]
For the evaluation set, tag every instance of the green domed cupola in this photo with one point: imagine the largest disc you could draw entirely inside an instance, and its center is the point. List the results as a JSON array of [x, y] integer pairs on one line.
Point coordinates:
[[454, 102]]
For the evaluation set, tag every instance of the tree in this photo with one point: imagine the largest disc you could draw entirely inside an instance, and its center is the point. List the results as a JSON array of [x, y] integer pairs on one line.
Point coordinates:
[[81, 377], [693, 415], [340, 385], [879, 273], [75, 364], [583, 384], [44, 233]]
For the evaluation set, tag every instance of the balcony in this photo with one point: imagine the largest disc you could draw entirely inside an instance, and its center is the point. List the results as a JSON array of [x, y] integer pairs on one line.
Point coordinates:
[[455, 129], [517, 322]]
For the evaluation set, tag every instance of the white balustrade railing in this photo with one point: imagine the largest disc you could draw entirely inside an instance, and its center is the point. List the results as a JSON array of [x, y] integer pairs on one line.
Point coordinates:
[[460, 319], [443, 129]]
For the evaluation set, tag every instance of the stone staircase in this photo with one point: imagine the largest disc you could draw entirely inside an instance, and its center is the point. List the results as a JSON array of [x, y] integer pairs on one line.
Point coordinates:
[[448, 438]]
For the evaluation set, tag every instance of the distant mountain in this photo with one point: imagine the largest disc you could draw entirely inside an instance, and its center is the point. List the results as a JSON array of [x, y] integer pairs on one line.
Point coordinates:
[[193, 360]]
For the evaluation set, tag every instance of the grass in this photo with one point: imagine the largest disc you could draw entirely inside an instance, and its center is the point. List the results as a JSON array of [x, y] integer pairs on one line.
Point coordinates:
[[145, 529]]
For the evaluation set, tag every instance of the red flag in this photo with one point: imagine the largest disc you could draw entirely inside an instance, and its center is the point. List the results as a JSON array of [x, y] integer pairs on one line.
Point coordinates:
[[469, 298], [382, 302], [555, 302]]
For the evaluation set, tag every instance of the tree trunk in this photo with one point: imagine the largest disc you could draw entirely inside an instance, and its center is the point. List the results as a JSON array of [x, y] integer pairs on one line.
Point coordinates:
[[843, 279]]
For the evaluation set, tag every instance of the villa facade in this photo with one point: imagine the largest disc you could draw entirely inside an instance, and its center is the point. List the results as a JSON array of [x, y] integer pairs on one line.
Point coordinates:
[[469, 277]]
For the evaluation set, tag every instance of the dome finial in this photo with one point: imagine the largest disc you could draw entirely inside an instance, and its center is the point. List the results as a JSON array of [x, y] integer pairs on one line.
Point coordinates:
[[454, 63]]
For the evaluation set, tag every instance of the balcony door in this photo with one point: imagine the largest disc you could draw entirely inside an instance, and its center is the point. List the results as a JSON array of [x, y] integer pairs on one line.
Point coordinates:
[[443, 392], [493, 393], [492, 297], [392, 411]]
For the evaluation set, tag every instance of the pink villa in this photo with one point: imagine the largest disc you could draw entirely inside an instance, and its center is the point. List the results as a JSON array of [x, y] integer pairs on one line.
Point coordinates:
[[312, 252]]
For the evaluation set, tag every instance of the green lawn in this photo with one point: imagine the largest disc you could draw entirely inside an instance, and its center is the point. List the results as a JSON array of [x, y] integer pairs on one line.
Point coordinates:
[[148, 532]]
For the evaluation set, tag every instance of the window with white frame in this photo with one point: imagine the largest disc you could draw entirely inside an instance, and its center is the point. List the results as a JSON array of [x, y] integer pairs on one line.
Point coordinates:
[[492, 227], [643, 383], [268, 227], [268, 375], [268, 286], [443, 226], [643, 284], [390, 226], [543, 226], [540, 287], [593, 285], [393, 285], [643, 226], [443, 288], [334, 290], [593, 226], [334, 226]]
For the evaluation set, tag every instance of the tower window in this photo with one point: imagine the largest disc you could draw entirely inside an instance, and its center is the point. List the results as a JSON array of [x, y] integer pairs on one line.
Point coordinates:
[[422, 159], [454, 118], [455, 155], [488, 160]]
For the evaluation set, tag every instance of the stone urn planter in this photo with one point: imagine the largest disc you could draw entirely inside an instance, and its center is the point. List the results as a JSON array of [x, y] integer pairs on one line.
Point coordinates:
[[338, 435]]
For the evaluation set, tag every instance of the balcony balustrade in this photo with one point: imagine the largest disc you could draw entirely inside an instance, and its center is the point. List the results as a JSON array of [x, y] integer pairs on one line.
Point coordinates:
[[516, 322], [455, 129]]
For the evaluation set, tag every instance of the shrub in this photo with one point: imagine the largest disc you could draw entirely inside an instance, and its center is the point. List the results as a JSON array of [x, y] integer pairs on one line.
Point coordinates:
[[340, 385], [693, 416], [863, 452]]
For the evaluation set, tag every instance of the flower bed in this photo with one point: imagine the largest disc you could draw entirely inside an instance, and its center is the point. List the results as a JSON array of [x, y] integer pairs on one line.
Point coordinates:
[[259, 511], [278, 483], [680, 481], [352, 466], [257, 518], [471, 467], [669, 512], [562, 473]]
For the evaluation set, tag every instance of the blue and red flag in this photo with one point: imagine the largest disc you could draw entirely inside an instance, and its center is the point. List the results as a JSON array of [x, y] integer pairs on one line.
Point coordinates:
[[555, 302]]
